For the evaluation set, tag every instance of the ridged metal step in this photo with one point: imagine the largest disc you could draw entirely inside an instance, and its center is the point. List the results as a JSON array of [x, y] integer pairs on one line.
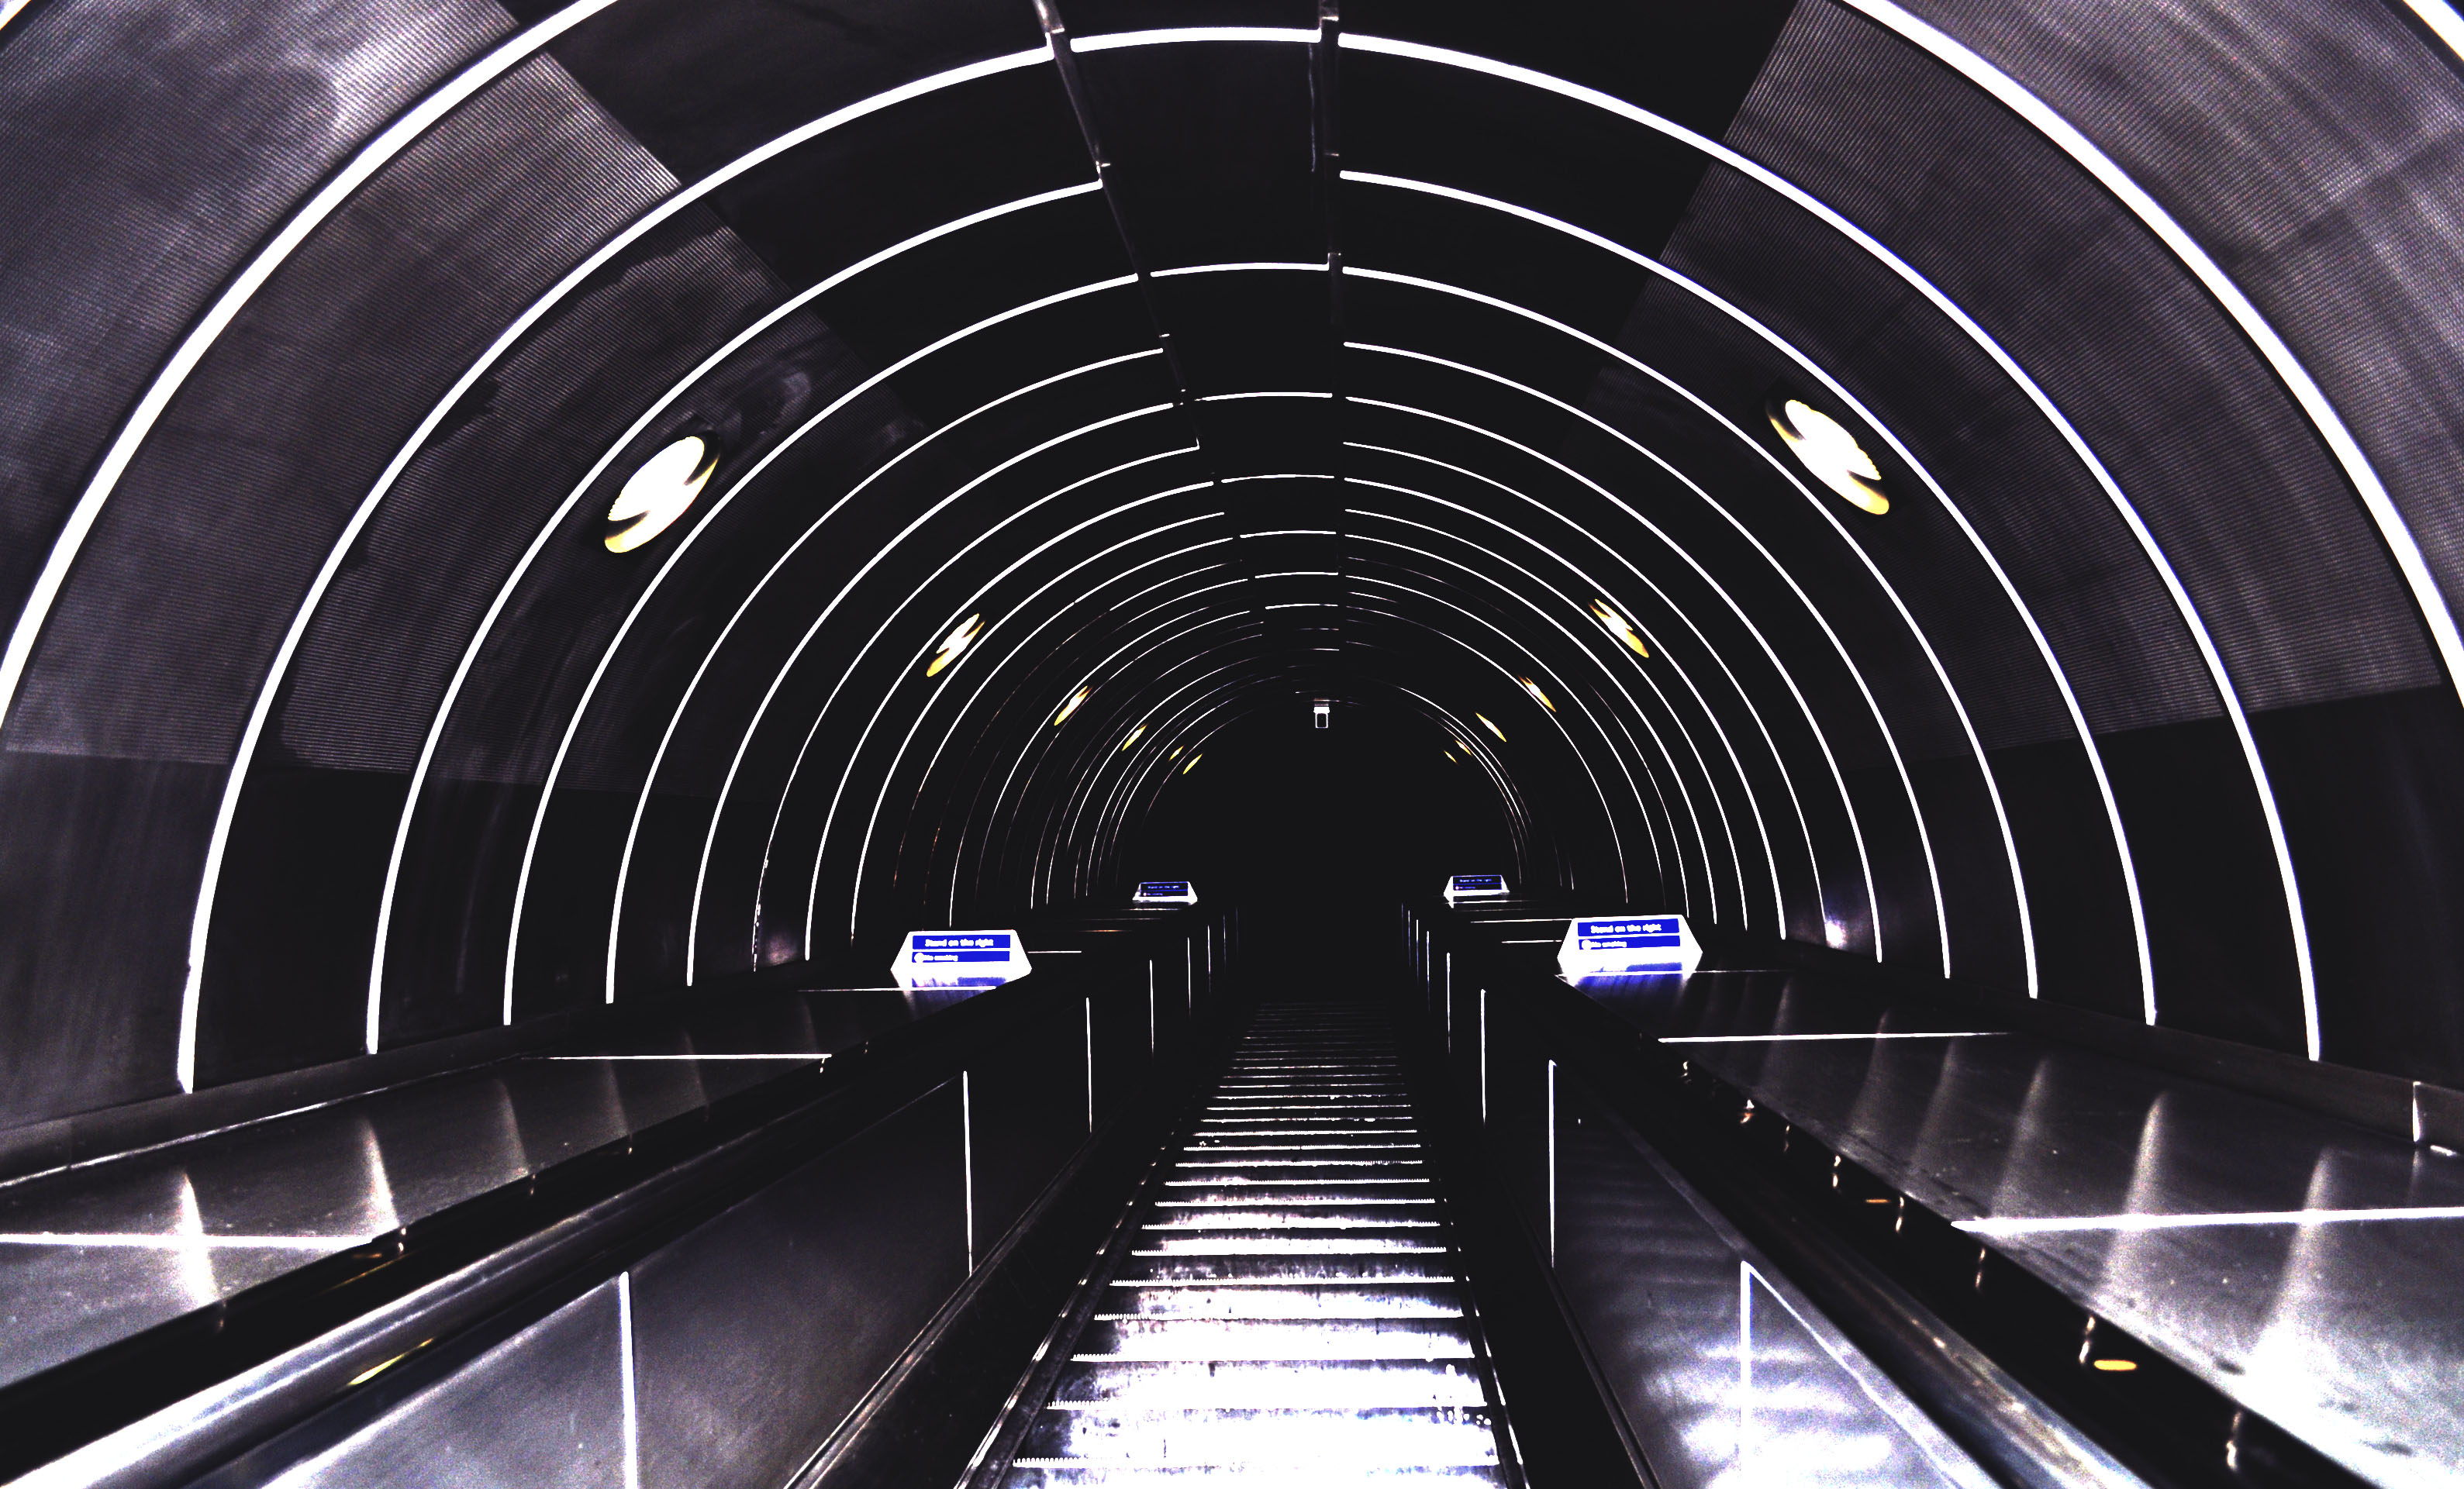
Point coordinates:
[[1290, 1310]]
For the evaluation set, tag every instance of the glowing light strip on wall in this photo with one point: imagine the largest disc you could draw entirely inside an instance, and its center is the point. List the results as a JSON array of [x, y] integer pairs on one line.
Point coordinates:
[[872, 819], [966, 823], [1924, 643], [1574, 697], [1780, 907], [442, 719], [812, 894], [1804, 706], [736, 761], [363, 166], [37, 610], [2393, 530], [1669, 757], [1976, 334]]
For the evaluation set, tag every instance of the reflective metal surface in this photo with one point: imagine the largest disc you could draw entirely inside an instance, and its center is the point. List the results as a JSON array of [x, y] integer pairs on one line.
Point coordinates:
[[95, 1253], [2303, 1267]]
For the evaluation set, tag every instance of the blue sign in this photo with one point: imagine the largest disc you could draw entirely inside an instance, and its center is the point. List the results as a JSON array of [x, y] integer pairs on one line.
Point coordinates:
[[1619, 945], [926, 949], [1165, 891], [959, 958]]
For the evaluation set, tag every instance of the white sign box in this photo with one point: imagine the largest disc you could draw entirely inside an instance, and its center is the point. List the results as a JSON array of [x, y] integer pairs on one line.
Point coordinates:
[[1613, 945], [960, 960], [1475, 886], [1165, 891]]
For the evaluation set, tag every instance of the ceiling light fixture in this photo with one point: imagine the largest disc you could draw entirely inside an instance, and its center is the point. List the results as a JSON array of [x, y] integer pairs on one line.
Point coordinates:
[[1491, 727], [1826, 448], [951, 644], [659, 491], [1193, 763], [1618, 627], [1071, 707], [1133, 736], [1537, 696]]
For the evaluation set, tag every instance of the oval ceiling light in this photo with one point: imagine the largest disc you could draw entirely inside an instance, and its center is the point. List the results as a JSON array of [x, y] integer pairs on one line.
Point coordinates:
[[1450, 759], [1133, 736], [1071, 707], [1491, 727], [1537, 696], [1618, 627], [1193, 763], [1827, 451], [659, 493], [1175, 756], [951, 644]]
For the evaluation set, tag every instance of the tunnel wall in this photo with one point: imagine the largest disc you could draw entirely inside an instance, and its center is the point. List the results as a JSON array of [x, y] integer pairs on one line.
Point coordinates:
[[1424, 356]]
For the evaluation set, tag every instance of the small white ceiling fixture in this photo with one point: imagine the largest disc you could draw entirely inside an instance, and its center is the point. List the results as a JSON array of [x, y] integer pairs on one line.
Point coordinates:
[[1831, 455], [660, 492]]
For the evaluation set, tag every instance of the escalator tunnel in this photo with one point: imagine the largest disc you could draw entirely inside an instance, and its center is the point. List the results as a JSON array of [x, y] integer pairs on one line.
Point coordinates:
[[1024, 742]]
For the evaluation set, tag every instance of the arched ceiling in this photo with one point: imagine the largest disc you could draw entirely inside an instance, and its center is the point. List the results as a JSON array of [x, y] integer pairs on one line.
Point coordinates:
[[1084, 381]]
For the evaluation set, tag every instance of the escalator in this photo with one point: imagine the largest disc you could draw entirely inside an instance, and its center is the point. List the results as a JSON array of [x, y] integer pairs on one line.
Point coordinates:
[[1285, 1302]]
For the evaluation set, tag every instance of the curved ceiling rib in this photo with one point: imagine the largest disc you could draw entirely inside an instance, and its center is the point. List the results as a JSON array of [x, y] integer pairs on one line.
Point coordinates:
[[2226, 694], [1192, 373], [2403, 547]]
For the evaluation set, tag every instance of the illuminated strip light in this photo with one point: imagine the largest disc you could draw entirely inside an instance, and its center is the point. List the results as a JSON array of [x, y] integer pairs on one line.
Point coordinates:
[[1113, 816], [1839, 780], [1701, 845], [1787, 777], [958, 851], [1051, 827], [1557, 723], [2026, 617], [675, 556], [872, 820], [1148, 722], [1082, 794], [1924, 643], [1166, 36], [1752, 800], [812, 732], [2039, 1225], [2442, 20], [960, 846], [1808, 1039], [1066, 818], [821, 845], [1711, 882], [1925, 836], [443, 714], [1265, 266], [1234, 398], [311, 215], [2014, 96], [38, 607], [1745, 699], [760, 710], [152, 1241], [1574, 697], [1199, 732], [701, 872], [2227, 695]]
